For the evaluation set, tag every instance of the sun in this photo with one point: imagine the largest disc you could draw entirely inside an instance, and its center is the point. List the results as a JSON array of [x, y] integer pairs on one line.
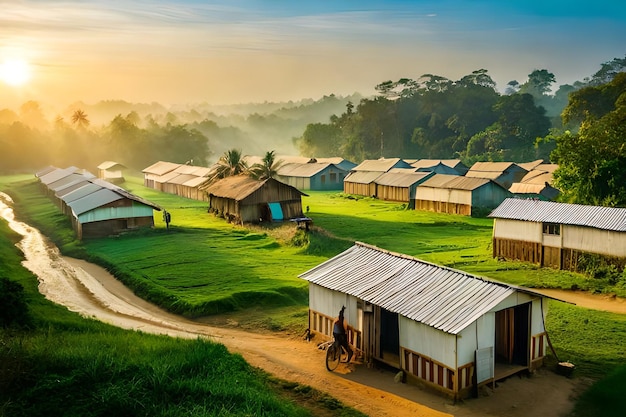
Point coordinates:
[[15, 72]]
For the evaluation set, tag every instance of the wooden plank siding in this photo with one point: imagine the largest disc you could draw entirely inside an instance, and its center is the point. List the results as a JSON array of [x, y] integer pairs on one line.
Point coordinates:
[[444, 207], [426, 370], [323, 325]]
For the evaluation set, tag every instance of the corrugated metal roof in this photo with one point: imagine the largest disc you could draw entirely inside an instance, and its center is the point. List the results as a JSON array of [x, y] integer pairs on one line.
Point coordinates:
[[429, 163], [606, 218], [483, 167], [57, 174], [45, 171], [531, 165], [454, 182], [537, 177], [402, 178], [302, 170], [160, 168], [94, 200], [196, 182], [444, 298], [362, 177], [110, 164], [380, 165], [81, 192]]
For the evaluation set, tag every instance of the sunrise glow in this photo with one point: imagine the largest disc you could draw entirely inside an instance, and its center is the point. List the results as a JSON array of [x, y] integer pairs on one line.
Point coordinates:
[[15, 72]]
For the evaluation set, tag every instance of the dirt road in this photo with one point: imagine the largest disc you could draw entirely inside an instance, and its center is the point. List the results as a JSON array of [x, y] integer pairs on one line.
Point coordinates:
[[371, 391]]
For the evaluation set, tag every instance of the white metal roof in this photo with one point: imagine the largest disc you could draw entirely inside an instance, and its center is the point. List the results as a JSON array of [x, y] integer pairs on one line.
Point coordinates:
[[444, 298], [606, 218]]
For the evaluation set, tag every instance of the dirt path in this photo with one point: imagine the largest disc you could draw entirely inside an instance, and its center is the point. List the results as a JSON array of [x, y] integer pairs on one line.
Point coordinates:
[[371, 391]]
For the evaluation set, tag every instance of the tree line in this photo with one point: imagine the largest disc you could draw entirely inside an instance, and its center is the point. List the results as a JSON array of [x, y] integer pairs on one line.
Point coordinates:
[[437, 118]]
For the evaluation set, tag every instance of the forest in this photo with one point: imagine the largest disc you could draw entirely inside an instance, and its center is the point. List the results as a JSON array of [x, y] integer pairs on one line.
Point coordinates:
[[578, 126]]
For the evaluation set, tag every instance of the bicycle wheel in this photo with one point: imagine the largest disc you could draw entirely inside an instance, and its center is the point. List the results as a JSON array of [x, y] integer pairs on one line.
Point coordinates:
[[332, 357]]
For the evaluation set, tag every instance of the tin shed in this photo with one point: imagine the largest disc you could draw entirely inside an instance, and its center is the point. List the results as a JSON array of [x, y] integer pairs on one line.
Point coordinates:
[[557, 234], [443, 327], [458, 195]]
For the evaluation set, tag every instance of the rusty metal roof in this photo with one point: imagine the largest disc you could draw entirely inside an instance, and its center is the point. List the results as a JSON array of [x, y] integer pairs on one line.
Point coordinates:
[[605, 218], [440, 297]]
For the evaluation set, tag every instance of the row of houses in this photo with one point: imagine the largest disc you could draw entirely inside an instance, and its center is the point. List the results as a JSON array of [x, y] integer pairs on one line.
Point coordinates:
[[448, 186], [96, 207]]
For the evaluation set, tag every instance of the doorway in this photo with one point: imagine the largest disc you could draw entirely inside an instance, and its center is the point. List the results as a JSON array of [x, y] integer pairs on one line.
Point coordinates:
[[513, 335], [389, 337]]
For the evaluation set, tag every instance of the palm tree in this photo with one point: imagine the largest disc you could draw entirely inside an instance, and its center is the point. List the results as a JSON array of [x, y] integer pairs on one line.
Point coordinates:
[[267, 169], [80, 118], [229, 164]]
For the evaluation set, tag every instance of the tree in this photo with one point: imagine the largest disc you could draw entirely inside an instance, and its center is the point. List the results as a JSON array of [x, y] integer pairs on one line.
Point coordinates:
[[267, 169], [79, 118], [591, 161], [230, 163]]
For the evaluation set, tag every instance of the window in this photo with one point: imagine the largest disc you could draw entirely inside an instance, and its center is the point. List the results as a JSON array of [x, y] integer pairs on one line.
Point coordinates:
[[551, 229]]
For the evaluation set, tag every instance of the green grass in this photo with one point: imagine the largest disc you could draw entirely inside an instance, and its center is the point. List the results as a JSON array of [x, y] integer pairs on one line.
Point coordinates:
[[203, 265], [71, 366]]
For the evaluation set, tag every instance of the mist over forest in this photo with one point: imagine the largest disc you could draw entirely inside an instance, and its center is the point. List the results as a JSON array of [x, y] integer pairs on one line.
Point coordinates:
[[426, 117]]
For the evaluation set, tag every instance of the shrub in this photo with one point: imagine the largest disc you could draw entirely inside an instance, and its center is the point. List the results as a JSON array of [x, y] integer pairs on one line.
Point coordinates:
[[14, 309]]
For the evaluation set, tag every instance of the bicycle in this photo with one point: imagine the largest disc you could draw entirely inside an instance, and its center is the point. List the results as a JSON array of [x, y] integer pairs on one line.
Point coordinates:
[[335, 353]]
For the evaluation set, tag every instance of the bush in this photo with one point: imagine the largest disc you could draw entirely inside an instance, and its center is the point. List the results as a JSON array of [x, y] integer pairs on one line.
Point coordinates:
[[14, 309]]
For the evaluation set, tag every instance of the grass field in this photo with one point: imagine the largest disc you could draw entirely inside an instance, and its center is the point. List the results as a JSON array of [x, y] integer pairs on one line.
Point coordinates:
[[203, 265]]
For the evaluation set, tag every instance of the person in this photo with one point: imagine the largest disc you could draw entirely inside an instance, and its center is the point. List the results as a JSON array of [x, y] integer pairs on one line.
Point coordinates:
[[340, 333]]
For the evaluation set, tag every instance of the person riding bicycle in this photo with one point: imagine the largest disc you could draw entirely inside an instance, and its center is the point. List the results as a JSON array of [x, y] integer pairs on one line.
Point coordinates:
[[340, 333]]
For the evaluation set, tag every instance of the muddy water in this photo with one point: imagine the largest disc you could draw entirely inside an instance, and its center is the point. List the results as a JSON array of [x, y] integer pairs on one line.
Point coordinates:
[[86, 288]]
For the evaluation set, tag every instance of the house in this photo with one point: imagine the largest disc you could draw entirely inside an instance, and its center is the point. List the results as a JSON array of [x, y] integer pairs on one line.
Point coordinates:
[[531, 190], [440, 166], [155, 171], [503, 173], [458, 194], [443, 327], [360, 180], [243, 199], [96, 207], [312, 176], [179, 179], [399, 184], [111, 171], [557, 234]]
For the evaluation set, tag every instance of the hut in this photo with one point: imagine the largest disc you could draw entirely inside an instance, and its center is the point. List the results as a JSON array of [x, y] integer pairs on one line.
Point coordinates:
[[442, 327], [458, 195], [557, 235], [243, 199], [110, 210], [503, 173], [111, 171], [97, 208], [320, 176], [360, 180], [156, 171], [399, 184]]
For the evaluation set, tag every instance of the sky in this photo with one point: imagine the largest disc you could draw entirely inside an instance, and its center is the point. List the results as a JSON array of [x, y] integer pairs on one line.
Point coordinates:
[[239, 51]]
